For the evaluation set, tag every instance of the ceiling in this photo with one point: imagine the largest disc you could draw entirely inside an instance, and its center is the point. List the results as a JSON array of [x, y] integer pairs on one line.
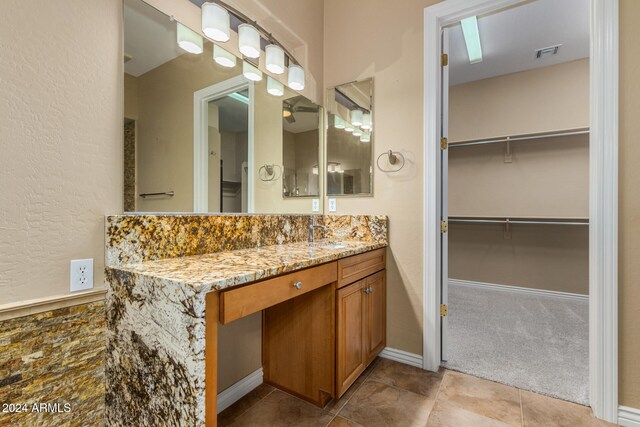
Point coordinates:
[[149, 38], [510, 37], [305, 118]]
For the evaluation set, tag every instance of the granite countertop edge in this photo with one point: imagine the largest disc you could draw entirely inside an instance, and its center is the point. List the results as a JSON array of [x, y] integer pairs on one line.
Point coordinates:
[[222, 270]]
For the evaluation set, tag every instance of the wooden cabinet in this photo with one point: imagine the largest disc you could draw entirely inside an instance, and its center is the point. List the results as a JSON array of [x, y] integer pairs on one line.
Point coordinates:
[[361, 327]]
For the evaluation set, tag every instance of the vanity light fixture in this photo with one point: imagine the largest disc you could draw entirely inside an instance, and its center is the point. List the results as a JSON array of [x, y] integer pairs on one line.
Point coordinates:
[[296, 77], [348, 127], [315, 170], [274, 87], [250, 72], [189, 40], [366, 121], [215, 22], [338, 122], [274, 59], [239, 97], [356, 117], [249, 40], [472, 39], [366, 137], [357, 132], [223, 57]]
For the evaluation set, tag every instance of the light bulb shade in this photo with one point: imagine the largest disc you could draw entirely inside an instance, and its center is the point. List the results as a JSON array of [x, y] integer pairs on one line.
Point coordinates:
[[357, 132], [338, 122], [249, 40], [223, 57], [348, 127], [365, 137], [215, 22], [189, 40], [356, 117], [315, 170], [274, 87], [366, 121], [274, 58], [331, 168], [296, 77], [250, 72]]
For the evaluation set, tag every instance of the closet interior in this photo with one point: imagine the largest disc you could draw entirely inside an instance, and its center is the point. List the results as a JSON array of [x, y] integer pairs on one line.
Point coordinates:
[[517, 211]]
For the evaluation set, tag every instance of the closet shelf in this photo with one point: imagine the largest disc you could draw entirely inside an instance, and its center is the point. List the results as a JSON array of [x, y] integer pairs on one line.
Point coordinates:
[[523, 137], [524, 221]]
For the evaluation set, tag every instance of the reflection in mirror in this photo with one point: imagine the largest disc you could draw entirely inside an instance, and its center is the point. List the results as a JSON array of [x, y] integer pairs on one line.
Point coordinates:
[[197, 132], [350, 139], [301, 142]]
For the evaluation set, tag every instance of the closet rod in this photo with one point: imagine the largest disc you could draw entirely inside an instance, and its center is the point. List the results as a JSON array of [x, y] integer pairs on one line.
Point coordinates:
[[518, 138], [517, 221]]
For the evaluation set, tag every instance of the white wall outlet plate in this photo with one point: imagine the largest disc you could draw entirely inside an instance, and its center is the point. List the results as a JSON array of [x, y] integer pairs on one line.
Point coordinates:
[[332, 205], [81, 274], [315, 205]]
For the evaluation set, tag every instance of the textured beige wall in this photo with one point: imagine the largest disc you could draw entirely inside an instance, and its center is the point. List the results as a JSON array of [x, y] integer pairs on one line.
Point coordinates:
[[539, 100], [384, 41], [554, 258], [61, 134], [629, 226], [546, 179]]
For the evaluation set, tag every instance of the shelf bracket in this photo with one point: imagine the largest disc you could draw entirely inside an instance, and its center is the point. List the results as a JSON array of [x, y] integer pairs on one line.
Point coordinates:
[[507, 229], [507, 151]]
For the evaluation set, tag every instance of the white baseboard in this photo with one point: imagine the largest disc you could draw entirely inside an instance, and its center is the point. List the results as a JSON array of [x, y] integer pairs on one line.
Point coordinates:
[[237, 391], [402, 357], [628, 417], [507, 288]]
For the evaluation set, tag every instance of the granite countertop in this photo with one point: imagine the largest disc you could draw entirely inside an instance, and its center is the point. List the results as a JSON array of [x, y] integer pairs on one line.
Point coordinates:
[[217, 271]]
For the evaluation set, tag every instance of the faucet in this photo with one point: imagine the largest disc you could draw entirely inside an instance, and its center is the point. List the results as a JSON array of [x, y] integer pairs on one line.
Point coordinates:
[[312, 227]]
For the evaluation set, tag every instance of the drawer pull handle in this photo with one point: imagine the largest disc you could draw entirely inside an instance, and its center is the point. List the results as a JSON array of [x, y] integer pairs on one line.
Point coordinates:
[[298, 285]]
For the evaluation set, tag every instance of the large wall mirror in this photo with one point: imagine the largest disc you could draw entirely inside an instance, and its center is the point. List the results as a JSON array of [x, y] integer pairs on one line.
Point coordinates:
[[350, 139], [202, 137]]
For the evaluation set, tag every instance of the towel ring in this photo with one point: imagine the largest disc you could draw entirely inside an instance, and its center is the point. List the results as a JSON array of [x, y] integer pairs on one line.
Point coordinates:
[[395, 158], [268, 172]]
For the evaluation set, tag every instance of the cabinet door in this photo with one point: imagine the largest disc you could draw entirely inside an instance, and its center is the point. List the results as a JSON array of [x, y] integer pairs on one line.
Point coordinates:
[[351, 351], [376, 312]]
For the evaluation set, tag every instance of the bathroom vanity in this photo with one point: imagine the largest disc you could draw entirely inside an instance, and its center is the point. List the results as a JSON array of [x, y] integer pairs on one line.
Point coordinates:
[[174, 279]]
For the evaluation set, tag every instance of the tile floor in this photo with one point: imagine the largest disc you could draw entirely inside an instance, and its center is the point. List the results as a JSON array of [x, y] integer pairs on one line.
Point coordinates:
[[392, 394]]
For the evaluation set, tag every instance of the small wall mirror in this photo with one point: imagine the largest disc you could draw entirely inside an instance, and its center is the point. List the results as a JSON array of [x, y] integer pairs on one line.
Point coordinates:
[[201, 135], [350, 139]]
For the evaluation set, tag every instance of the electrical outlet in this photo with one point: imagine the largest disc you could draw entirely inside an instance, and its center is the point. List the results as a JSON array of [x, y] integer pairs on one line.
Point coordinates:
[[315, 205], [81, 274], [332, 205]]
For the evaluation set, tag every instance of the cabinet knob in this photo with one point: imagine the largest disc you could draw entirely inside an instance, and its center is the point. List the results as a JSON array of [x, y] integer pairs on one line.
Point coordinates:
[[367, 290], [297, 285]]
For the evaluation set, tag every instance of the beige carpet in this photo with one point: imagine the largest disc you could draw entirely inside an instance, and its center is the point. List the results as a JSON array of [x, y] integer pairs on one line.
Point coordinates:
[[533, 342]]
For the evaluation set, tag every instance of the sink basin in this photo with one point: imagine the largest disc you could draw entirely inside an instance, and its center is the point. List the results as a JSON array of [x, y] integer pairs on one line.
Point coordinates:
[[333, 246]]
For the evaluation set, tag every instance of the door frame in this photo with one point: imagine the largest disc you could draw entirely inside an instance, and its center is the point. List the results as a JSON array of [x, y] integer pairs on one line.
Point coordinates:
[[201, 99], [603, 192]]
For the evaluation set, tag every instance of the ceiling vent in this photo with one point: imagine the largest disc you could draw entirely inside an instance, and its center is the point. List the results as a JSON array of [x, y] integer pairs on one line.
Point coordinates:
[[547, 51]]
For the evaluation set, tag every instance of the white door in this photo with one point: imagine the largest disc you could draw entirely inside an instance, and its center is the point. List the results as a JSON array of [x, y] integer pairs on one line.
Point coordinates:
[[444, 188]]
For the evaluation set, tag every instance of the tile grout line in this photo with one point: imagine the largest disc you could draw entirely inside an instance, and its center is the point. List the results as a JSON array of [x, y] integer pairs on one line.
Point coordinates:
[[521, 409], [354, 393]]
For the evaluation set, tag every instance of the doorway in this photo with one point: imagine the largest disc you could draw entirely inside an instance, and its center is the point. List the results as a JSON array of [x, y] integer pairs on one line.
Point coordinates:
[[602, 211]]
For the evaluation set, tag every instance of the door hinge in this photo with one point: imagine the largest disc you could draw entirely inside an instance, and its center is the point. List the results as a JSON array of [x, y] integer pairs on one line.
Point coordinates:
[[444, 143], [443, 226], [443, 310], [444, 59]]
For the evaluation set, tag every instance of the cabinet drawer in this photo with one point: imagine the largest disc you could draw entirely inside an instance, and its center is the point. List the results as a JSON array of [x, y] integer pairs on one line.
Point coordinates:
[[240, 302], [358, 266]]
